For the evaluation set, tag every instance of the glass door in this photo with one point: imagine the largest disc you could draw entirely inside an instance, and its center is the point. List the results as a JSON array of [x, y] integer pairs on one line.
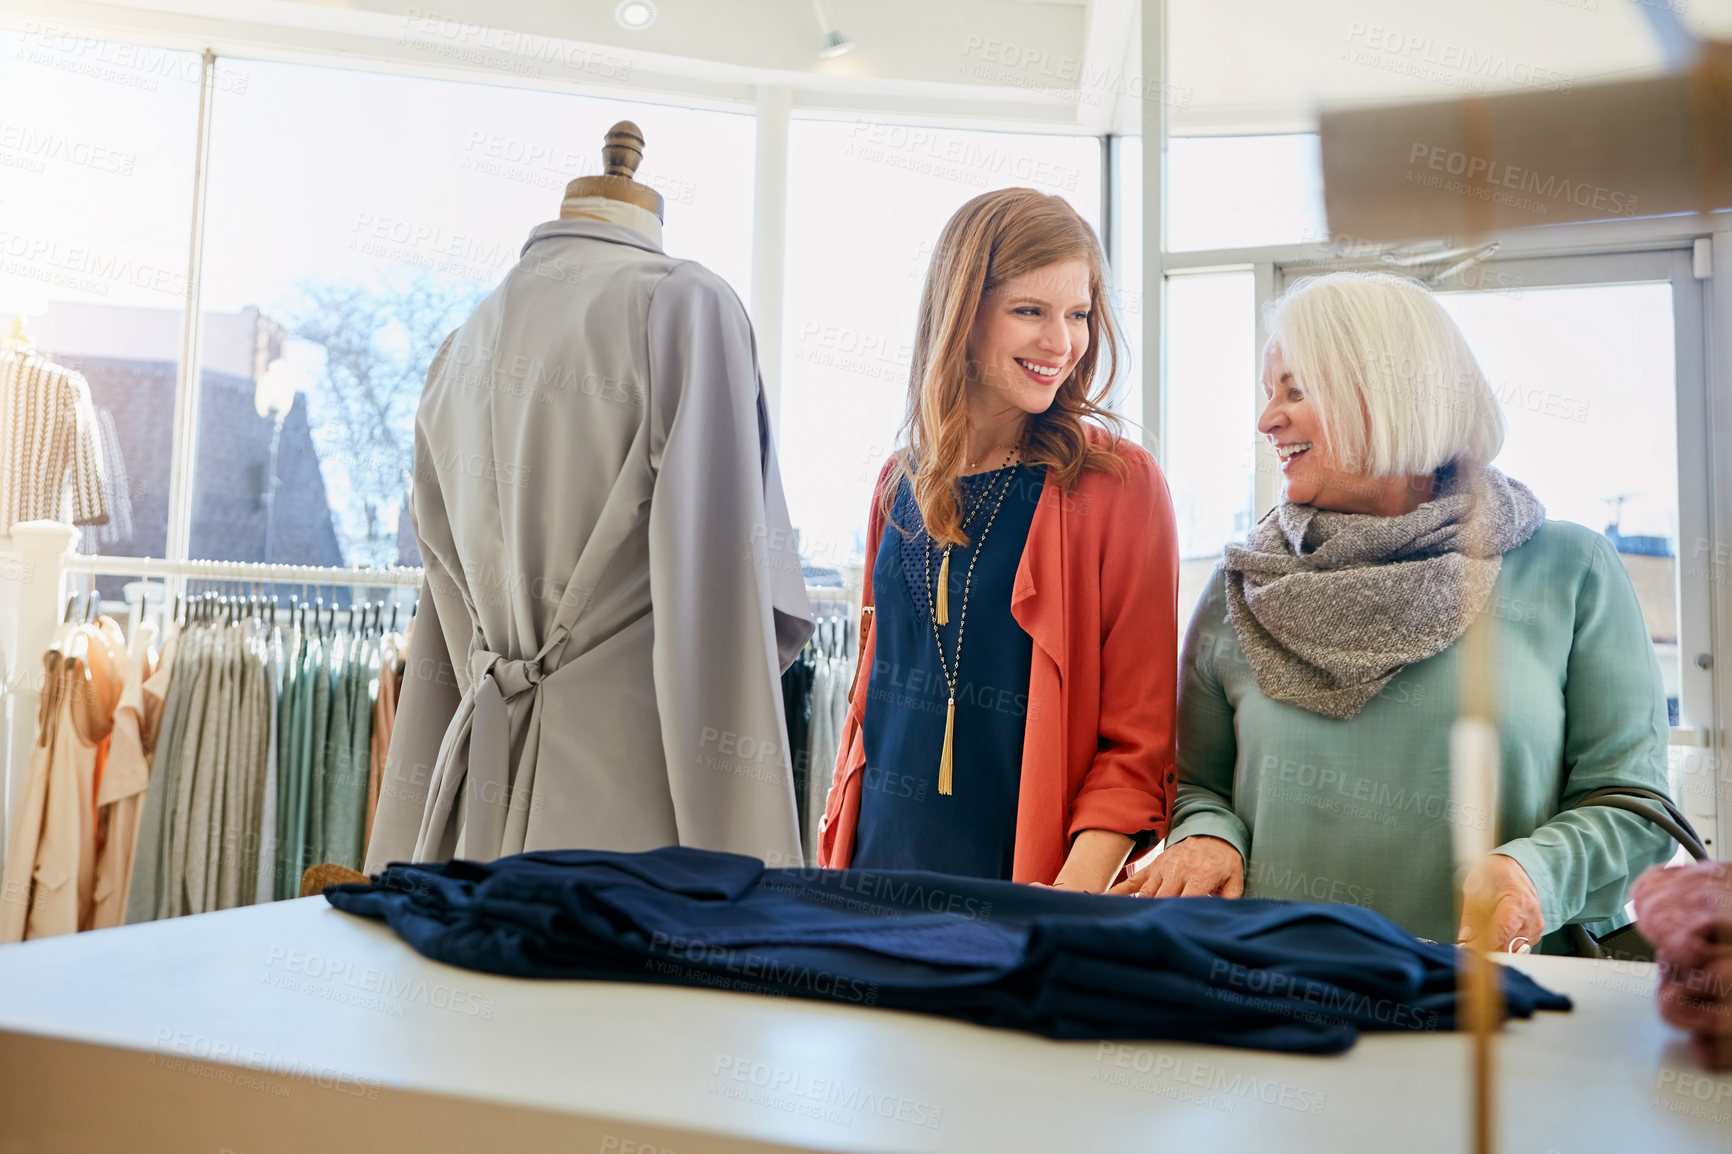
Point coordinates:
[[1597, 361]]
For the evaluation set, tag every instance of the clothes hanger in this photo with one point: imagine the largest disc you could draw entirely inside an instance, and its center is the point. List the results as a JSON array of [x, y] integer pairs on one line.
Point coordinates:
[[19, 339]]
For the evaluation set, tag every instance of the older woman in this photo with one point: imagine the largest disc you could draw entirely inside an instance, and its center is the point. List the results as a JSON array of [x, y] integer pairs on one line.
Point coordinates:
[[1320, 676]]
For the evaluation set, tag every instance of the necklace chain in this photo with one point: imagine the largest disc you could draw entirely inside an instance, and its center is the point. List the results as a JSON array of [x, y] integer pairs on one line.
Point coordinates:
[[951, 673]]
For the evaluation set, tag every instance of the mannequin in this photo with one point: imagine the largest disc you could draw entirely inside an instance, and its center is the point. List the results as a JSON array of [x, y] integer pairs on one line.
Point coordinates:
[[614, 196], [611, 585]]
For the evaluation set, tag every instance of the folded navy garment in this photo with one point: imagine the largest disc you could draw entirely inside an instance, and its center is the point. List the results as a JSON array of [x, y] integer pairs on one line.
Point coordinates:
[[1272, 975]]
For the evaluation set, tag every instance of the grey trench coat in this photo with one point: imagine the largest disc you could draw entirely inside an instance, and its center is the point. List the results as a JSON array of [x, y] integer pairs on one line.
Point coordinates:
[[612, 586]]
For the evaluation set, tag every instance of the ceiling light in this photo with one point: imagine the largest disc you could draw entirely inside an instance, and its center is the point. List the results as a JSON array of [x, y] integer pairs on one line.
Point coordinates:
[[635, 14], [836, 41]]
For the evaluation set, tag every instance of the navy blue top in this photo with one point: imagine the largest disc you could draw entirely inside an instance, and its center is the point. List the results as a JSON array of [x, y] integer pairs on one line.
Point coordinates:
[[1276, 975], [905, 823]]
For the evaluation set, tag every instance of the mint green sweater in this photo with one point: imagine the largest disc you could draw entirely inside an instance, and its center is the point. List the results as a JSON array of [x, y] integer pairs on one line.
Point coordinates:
[[1360, 811]]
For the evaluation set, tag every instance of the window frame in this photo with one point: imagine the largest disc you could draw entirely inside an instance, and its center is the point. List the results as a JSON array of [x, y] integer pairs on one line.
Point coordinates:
[[1615, 260], [1702, 244]]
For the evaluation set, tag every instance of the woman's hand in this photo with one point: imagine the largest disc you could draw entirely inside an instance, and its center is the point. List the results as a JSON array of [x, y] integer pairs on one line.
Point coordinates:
[[1499, 891], [1196, 867]]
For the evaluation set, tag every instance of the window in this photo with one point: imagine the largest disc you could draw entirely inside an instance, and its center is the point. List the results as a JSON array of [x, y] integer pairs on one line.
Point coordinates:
[[97, 143], [1127, 275], [1211, 419], [853, 292], [352, 276], [1586, 379], [1240, 191]]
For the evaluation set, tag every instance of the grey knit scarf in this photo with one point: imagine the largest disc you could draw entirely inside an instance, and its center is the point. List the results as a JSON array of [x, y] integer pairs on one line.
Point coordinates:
[[1330, 606]]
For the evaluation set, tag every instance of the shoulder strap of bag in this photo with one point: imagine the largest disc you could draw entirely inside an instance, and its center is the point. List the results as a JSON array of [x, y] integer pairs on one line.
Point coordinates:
[[1631, 799]]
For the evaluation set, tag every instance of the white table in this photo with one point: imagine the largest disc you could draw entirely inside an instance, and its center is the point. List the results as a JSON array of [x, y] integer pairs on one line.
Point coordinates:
[[292, 1027]]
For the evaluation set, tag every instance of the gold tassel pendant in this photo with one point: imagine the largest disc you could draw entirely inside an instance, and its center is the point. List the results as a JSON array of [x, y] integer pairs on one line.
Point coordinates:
[[944, 761], [942, 612]]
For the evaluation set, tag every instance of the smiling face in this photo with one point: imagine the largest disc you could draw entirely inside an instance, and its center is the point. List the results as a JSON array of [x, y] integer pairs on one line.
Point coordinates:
[[1312, 474], [1294, 430], [1028, 335]]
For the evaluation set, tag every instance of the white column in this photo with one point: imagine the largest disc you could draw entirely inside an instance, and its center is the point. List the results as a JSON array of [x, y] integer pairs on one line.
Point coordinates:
[[1719, 327], [1154, 106], [185, 447], [1265, 466], [769, 238], [40, 546]]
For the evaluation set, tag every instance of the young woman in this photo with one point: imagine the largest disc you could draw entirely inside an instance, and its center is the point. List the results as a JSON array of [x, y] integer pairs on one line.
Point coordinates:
[[1012, 716]]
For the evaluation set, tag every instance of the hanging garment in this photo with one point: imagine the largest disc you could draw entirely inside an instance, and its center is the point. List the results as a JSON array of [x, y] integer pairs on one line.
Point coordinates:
[[44, 903], [148, 898], [225, 867], [143, 873], [49, 883], [296, 764], [261, 765], [819, 754], [338, 742], [265, 828], [288, 747], [52, 465], [612, 589], [1273, 975], [317, 758], [203, 818], [246, 760], [350, 742], [196, 733], [391, 647], [797, 708], [830, 714], [116, 485], [126, 777]]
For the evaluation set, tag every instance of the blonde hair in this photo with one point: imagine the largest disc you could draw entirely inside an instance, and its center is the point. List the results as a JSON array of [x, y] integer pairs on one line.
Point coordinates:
[[994, 238], [1396, 388]]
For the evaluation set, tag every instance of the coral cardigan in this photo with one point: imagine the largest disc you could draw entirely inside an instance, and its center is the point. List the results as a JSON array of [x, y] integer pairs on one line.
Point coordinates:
[[1097, 589]]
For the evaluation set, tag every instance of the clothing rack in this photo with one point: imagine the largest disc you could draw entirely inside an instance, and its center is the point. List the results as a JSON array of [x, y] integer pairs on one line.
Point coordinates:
[[42, 561], [260, 573]]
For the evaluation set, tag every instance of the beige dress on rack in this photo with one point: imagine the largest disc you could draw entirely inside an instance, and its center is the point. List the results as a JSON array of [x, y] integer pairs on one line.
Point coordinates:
[[48, 887], [125, 777]]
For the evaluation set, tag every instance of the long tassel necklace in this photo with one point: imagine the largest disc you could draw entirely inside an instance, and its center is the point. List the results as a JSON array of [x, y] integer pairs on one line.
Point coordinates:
[[942, 605], [941, 616]]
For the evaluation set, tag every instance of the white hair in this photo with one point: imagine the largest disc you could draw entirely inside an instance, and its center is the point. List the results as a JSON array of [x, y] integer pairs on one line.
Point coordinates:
[[1396, 388]]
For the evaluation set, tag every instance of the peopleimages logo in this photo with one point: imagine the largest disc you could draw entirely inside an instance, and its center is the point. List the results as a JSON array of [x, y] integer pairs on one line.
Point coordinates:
[[783, 977], [1493, 177], [734, 1076], [368, 986]]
